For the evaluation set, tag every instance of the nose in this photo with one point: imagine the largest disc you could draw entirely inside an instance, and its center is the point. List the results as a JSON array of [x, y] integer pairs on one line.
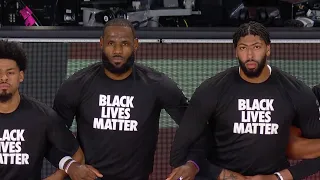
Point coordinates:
[[250, 54], [117, 49], [3, 77]]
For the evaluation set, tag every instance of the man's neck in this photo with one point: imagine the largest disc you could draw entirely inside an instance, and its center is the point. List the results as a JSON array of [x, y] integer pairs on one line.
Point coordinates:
[[118, 77], [11, 105], [265, 74]]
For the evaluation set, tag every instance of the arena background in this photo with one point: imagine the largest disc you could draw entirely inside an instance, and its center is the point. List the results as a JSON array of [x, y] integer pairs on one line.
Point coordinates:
[[187, 63]]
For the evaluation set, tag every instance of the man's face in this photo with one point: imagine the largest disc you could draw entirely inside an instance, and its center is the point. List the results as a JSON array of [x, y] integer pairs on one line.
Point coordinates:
[[118, 45], [10, 79], [252, 53]]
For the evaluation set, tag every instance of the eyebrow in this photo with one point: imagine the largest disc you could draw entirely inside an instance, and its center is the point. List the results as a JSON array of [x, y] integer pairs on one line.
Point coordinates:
[[8, 69], [110, 38], [250, 44], [121, 40]]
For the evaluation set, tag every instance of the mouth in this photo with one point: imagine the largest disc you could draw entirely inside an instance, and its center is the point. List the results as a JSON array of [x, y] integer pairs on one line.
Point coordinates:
[[4, 86], [251, 65], [117, 60]]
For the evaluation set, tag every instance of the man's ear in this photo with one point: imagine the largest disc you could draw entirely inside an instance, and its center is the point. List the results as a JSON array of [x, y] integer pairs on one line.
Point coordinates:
[[21, 76], [101, 42], [135, 44], [268, 50]]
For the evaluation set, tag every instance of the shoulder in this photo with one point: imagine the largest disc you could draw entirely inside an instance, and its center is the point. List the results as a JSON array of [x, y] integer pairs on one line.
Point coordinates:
[[220, 80], [150, 73], [154, 77], [299, 92], [73, 86], [38, 108], [165, 88], [291, 83], [84, 75]]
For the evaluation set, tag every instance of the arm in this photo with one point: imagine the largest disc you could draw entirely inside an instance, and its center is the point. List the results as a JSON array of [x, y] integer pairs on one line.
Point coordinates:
[[67, 100], [193, 126], [297, 144], [65, 104], [297, 150], [60, 174], [64, 143], [307, 119], [171, 98], [175, 103]]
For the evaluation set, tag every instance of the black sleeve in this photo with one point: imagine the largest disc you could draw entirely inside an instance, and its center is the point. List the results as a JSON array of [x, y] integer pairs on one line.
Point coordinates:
[[172, 98], [175, 103], [53, 155], [316, 91], [194, 123], [65, 106], [66, 100], [305, 168], [198, 151], [61, 140], [307, 113], [308, 120]]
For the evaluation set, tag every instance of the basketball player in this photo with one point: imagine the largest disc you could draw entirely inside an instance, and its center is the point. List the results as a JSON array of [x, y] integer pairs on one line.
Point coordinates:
[[28, 127], [250, 109], [117, 104]]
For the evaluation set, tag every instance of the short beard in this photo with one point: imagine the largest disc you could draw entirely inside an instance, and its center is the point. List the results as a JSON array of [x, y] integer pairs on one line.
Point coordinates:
[[117, 70], [256, 72], [5, 97]]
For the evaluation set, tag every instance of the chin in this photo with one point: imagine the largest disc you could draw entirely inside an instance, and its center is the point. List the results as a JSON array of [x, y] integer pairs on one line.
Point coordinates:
[[118, 65], [252, 71], [4, 91]]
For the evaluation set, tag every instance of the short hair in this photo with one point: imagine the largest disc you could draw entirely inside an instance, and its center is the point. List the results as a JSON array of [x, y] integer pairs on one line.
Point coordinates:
[[13, 51], [120, 22], [251, 28]]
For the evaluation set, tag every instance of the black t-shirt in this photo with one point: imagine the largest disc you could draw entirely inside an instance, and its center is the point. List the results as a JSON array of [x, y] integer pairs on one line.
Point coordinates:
[[24, 137], [249, 122], [118, 121]]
